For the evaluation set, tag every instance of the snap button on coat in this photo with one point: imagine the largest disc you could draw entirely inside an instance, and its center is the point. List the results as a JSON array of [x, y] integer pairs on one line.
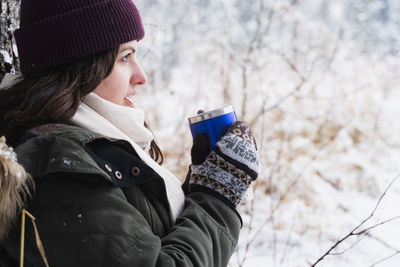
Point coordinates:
[[118, 175], [135, 171]]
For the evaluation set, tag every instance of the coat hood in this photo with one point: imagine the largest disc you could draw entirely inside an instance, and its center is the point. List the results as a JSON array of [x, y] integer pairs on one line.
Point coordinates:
[[15, 185]]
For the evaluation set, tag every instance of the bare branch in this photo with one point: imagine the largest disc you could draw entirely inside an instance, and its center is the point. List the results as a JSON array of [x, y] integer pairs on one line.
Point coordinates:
[[264, 110], [381, 241], [331, 58], [352, 246], [385, 259], [287, 243], [375, 225], [367, 234], [297, 88], [353, 232], [313, 158], [270, 217]]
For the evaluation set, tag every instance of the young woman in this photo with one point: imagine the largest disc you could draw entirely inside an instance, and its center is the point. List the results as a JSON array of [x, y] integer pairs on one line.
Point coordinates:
[[100, 197]]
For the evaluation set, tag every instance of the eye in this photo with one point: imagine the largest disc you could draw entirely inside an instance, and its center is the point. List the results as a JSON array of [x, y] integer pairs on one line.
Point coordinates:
[[126, 57]]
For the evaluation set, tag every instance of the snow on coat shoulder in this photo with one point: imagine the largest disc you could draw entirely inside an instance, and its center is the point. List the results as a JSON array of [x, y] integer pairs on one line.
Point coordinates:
[[15, 185]]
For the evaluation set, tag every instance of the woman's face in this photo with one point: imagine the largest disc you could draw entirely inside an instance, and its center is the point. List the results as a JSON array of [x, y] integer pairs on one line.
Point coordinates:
[[120, 86]]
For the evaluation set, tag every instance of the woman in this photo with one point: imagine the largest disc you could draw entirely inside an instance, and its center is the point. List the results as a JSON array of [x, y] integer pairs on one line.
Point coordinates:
[[100, 198]]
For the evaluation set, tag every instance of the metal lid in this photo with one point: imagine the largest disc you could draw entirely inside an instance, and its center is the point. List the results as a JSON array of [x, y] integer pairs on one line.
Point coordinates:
[[211, 114]]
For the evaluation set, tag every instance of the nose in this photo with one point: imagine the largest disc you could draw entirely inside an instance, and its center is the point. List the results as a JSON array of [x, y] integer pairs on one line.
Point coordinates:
[[138, 76]]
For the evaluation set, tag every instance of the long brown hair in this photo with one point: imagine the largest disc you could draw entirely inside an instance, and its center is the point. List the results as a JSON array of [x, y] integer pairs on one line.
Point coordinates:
[[53, 96]]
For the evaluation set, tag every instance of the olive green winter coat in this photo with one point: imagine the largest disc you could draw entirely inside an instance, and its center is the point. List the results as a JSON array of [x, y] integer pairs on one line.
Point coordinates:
[[88, 217]]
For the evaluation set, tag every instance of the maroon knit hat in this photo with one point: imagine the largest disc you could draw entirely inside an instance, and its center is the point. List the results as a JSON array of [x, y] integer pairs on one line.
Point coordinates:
[[54, 32]]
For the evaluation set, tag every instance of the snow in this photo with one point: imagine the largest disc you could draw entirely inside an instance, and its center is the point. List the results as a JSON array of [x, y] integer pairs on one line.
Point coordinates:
[[6, 152], [319, 82], [6, 56], [327, 77]]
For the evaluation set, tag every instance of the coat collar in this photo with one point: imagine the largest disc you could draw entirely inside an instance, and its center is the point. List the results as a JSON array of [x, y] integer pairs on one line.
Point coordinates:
[[57, 147]]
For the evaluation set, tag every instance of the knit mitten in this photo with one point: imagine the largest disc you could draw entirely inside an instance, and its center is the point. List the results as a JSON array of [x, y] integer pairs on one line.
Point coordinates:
[[231, 167]]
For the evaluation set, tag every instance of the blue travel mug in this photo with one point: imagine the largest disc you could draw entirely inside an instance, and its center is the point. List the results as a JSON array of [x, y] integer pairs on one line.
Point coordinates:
[[215, 123]]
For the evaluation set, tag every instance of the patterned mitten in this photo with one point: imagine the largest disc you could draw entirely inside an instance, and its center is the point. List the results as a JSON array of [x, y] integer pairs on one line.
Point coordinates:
[[231, 167]]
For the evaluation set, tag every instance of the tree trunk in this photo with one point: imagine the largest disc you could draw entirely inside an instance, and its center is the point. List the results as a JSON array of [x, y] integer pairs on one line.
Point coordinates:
[[9, 19]]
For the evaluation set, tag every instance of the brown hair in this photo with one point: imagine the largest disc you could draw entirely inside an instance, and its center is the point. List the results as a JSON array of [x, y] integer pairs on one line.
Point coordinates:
[[53, 96]]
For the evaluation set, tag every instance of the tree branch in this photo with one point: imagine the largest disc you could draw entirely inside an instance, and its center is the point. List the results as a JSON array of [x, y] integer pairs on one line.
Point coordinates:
[[385, 259], [353, 232]]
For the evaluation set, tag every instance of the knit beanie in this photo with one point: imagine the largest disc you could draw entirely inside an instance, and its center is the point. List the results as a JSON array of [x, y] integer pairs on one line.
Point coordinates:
[[55, 32]]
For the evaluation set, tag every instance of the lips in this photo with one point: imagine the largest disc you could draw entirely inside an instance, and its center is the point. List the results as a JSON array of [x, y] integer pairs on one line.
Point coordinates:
[[128, 100]]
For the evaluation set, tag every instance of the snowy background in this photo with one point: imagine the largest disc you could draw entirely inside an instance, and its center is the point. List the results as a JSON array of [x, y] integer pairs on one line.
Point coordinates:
[[318, 82]]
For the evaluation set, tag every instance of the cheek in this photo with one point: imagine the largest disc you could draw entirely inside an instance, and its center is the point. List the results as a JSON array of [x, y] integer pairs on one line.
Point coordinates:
[[114, 88]]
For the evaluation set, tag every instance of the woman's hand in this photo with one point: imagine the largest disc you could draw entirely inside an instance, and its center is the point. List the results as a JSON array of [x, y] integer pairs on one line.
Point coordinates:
[[230, 168]]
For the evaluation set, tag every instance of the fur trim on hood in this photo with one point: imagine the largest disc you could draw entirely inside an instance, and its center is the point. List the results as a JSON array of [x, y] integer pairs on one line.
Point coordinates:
[[15, 185]]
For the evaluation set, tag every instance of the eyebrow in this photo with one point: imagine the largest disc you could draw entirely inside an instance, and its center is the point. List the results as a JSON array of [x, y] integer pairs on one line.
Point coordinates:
[[128, 48]]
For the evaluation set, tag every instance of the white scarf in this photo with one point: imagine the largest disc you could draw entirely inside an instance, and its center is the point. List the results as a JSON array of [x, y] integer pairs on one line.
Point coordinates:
[[120, 122]]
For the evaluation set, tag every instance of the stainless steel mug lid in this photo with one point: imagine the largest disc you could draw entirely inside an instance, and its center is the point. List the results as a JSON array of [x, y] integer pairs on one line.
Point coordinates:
[[211, 114]]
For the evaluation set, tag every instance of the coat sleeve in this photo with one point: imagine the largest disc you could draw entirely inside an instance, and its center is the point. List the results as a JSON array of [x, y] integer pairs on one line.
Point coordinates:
[[84, 220]]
